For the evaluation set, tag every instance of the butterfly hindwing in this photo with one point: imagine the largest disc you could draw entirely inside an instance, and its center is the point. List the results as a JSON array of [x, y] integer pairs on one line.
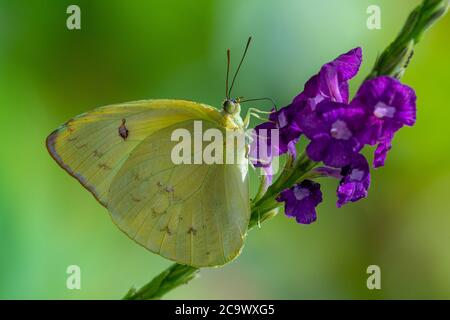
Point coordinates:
[[195, 214]]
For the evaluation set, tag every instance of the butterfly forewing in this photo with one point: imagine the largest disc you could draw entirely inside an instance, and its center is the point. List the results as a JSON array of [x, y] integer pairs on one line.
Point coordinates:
[[91, 148]]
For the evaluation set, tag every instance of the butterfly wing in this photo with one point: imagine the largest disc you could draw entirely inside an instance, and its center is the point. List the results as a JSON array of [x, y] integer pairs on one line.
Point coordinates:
[[194, 214], [91, 148]]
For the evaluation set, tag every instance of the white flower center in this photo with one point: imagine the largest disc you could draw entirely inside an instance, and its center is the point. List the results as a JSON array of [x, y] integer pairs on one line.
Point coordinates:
[[313, 102], [382, 110], [333, 84], [282, 120], [301, 193], [340, 131], [357, 175]]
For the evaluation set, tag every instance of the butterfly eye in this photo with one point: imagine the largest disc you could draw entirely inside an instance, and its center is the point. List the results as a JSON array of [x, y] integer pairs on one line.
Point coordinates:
[[229, 106]]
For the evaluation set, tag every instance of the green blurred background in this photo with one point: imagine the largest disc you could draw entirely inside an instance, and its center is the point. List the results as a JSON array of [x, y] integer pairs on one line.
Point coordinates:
[[130, 50]]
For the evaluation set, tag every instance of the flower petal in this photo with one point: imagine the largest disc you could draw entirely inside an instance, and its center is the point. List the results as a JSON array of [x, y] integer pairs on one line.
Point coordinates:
[[331, 81], [317, 149], [381, 153], [332, 129], [261, 145], [334, 75], [355, 181], [347, 64], [340, 153]]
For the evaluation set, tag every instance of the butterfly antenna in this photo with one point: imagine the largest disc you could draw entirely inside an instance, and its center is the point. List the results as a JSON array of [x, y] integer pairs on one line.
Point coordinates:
[[239, 66], [228, 72]]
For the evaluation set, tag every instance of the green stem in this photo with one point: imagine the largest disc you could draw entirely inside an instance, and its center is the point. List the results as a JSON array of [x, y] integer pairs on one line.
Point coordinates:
[[392, 62], [169, 279], [261, 189], [396, 57]]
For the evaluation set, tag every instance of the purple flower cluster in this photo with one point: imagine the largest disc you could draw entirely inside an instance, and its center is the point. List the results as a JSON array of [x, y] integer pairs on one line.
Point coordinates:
[[338, 129]]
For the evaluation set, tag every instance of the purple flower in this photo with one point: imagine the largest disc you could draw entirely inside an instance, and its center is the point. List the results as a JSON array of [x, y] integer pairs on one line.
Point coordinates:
[[261, 149], [289, 132], [287, 137], [355, 181], [261, 145], [389, 105], [332, 129], [301, 201], [329, 84], [324, 116], [331, 81], [337, 131]]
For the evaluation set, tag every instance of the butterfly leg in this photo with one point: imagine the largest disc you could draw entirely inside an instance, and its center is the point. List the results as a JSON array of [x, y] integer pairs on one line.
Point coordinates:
[[254, 112], [247, 150]]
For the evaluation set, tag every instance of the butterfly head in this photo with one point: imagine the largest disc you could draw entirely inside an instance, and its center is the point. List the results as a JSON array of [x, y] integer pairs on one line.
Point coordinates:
[[231, 106]]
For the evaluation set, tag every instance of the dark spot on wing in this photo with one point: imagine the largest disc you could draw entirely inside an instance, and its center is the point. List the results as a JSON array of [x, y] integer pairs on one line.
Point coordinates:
[[82, 145], [192, 231], [123, 131], [104, 166], [135, 199], [155, 213], [167, 230], [97, 154]]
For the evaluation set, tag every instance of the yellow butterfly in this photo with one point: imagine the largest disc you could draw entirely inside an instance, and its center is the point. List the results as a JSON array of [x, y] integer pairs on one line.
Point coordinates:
[[194, 214]]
